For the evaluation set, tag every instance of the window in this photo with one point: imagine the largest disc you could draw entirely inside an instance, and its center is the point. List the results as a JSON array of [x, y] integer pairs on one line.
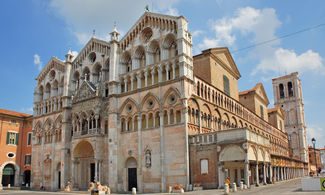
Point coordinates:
[[27, 159], [204, 166], [290, 89], [226, 85], [12, 138], [280, 124], [29, 139], [281, 88], [262, 111], [13, 121]]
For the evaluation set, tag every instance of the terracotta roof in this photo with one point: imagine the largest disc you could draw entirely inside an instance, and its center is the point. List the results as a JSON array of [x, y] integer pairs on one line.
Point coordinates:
[[250, 90], [14, 113], [273, 109]]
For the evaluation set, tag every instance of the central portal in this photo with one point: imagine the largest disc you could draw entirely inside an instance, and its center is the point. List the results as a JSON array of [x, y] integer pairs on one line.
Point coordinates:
[[84, 165], [132, 173]]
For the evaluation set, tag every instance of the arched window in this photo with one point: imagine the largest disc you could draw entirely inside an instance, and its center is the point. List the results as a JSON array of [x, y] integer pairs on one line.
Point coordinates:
[[290, 89], [226, 85], [86, 73], [281, 88]]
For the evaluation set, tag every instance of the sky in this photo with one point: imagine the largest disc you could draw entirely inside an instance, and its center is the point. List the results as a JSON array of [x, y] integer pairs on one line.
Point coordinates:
[[291, 32]]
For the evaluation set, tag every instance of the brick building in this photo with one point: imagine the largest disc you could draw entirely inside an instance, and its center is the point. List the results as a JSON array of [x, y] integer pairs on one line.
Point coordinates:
[[15, 144], [143, 112], [314, 161]]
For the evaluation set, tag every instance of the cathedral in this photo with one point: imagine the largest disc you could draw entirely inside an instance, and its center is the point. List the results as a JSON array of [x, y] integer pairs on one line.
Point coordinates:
[[142, 111]]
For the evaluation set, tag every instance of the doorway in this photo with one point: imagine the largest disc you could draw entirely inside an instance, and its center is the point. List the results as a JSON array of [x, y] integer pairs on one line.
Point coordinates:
[[92, 172], [27, 177], [59, 179], [8, 175], [132, 175]]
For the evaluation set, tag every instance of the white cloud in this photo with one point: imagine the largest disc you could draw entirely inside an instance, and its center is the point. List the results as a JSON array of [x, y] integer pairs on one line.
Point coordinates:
[[197, 33], [262, 23], [172, 11], [27, 110], [82, 17], [38, 62], [318, 133], [284, 60]]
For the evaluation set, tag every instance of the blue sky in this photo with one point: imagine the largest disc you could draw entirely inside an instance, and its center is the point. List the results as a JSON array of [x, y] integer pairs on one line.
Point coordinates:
[[34, 31]]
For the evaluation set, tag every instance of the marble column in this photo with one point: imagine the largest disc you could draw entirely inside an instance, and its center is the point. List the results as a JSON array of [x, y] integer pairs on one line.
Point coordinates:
[[264, 174], [132, 78], [257, 175], [146, 78], [247, 173], [152, 76], [160, 73], [271, 174], [174, 69], [125, 84], [162, 152], [220, 176], [140, 183], [139, 80]]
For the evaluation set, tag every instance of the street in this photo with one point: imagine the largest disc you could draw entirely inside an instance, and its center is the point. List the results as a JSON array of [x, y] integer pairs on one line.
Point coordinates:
[[281, 188]]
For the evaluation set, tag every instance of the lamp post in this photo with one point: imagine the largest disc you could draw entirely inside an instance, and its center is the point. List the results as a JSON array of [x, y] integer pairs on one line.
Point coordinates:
[[314, 142]]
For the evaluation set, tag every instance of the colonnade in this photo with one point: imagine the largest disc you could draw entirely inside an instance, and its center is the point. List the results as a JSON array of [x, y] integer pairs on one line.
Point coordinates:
[[149, 76], [48, 106]]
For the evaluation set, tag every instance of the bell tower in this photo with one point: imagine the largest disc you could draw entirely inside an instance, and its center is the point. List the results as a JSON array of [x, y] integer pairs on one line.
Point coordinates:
[[288, 94]]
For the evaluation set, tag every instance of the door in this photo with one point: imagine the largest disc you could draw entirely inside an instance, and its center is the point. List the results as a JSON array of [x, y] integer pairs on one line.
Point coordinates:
[[59, 179], [8, 175], [132, 175], [92, 172]]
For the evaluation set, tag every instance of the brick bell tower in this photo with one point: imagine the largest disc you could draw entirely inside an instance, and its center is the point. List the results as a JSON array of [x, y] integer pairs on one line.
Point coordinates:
[[288, 94]]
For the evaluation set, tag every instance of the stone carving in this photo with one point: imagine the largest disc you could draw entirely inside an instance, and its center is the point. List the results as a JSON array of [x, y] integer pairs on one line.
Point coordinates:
[[218, 148], [85, 92], [148, 158], [245, 146]]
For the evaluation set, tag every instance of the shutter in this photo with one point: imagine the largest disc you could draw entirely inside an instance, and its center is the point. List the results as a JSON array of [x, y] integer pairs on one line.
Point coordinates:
[[7, 137], [16, 140]]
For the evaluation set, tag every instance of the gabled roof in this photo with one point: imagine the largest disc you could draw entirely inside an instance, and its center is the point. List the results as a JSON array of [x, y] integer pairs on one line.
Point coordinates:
[[54, 62], [143, 22], [14, 113], [224, 58], [91, 46], [254, 90], [276, 109]]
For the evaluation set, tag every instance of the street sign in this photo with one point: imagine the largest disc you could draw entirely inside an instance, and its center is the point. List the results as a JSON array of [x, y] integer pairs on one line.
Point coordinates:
[[322, 183]]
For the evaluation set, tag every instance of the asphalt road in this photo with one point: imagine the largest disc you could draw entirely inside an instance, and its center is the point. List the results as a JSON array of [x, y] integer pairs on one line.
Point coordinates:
[[281, 188]]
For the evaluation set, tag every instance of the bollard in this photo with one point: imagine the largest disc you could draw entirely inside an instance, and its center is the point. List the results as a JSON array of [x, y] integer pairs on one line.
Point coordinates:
[[245, 187], [241, 185], [226, 189], [8, 185], [234, 186], [182, 191], [134, 191], [108, 191], [170, 189], [27, 185]]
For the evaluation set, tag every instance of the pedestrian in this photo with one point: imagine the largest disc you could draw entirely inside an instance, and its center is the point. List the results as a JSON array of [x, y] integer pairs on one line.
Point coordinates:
[[227, 181]]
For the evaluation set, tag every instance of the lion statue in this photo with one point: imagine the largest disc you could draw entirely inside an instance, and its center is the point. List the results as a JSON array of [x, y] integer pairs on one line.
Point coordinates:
[[68, 187], [104, 188], [91, 186]]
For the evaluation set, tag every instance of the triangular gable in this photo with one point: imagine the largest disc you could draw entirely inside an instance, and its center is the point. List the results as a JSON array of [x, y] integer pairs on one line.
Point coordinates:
[[95, 45], [164, 22], [260, 91], [224, 58], [53, 63], [86, 91]]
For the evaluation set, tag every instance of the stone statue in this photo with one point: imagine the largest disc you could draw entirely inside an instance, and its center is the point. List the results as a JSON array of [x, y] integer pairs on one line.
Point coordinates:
[[104, 188], [148, 158]]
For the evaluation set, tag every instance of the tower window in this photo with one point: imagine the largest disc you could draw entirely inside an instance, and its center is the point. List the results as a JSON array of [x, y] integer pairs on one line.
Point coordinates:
[[226, 85], [262, 111], [281, 88], [290, 89]]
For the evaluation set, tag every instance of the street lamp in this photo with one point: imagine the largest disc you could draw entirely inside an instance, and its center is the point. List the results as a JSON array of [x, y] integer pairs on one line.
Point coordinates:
[[314, 142]]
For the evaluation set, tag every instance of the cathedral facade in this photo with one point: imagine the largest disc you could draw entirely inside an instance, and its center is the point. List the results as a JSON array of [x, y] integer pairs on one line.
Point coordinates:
[[143, 112]]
